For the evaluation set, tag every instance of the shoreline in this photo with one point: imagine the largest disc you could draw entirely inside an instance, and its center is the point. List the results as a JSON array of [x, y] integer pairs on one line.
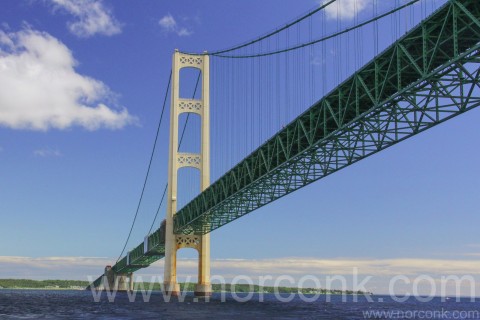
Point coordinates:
[[188, 291], [76, 285]]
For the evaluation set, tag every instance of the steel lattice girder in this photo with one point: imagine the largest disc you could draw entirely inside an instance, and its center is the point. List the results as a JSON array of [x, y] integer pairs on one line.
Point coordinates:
[[138, 258], [428, 76], [96, 283]]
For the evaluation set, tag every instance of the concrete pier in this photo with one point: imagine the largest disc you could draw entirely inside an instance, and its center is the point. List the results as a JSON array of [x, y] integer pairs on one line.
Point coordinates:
[[116, 281]]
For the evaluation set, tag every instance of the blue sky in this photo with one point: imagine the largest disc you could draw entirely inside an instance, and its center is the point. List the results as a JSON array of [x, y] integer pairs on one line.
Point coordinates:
[[81, 90]]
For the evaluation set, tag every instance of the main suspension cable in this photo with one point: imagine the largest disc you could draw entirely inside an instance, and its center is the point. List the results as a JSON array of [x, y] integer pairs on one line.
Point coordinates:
[[268, 35], [149, 166], [158, 209], [333, 35], [179, 144]]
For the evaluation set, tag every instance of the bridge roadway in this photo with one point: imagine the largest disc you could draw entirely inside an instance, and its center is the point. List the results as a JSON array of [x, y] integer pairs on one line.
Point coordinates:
[[428, 76]]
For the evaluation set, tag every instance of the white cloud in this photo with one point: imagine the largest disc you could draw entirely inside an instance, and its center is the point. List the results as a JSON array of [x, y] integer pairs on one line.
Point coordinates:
[[92, 17], [345, 9], [384, 267], [5, 40], [170, 25], [51, 267], [184, 32], [47, 152], [40, 89]]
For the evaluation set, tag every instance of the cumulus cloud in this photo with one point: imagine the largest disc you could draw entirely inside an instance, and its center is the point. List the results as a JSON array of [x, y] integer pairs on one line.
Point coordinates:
[[345, 9], [91, 17], [170, 25], [40, 89], [47, 152]]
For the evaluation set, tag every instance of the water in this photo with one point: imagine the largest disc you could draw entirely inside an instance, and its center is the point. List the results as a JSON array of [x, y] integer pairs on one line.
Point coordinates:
[[43, 304]]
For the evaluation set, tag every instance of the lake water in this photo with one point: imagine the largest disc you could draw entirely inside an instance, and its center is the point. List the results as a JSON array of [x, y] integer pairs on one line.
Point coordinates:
[[51, 304]]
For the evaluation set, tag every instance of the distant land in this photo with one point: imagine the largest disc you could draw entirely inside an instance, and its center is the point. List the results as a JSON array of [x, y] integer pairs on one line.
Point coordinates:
[[42, 284], [188, 286]]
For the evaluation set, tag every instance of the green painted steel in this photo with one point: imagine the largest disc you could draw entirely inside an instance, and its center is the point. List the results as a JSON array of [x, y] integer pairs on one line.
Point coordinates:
[[428, 76], [95, 284], [141, 256]]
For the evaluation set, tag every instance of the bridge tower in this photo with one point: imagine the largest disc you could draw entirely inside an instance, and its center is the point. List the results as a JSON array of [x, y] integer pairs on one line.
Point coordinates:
[[177, 160]]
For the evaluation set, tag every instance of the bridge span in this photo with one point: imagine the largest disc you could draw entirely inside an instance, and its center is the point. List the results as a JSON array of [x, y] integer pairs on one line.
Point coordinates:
[[430, 75]]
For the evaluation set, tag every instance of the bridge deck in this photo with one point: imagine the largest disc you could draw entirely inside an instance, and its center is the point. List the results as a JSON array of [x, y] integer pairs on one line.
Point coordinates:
[[424, 78], [428, 76]]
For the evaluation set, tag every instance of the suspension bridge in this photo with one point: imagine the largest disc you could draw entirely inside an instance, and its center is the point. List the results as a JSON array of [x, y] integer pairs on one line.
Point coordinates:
[[425, 76]]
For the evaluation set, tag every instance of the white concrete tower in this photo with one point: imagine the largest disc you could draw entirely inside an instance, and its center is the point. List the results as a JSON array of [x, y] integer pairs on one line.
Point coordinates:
[[177, 160]]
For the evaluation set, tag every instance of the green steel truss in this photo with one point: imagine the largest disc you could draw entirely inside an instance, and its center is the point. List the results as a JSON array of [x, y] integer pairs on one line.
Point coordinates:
[[146, 253], [96, 283], [428, 76]]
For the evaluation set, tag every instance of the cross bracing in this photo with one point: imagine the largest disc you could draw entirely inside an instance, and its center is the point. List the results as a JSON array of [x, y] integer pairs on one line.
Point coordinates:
[[426, 77]]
